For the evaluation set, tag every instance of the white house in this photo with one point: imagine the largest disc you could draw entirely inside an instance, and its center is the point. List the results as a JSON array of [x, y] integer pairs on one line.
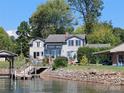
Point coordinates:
[[56, 45], [36, 48]]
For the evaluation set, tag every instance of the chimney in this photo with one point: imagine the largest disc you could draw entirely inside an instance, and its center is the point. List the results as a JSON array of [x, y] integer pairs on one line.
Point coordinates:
[[66, 35]]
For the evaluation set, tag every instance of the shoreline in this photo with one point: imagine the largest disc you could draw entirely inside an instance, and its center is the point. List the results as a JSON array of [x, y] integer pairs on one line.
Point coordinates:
[[111, 78]]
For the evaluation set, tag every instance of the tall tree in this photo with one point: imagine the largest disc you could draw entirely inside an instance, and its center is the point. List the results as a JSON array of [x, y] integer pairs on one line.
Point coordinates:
[[23, 38], [89, 9], [103, 33], [50, 18]]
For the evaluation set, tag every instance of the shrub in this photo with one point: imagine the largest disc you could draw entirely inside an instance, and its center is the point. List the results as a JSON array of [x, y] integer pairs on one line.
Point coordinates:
[[84, 60], [60, 62], [45, 61], [88, 52]]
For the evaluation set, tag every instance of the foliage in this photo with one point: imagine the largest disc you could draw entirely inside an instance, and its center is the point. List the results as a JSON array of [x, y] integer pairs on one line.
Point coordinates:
[[23, 39], [88, 52], [50, 18], [5, 40], [103, 33], [80, 30], [45, 61], [89, 9], [119, 32], [60, 62], [84, 60]]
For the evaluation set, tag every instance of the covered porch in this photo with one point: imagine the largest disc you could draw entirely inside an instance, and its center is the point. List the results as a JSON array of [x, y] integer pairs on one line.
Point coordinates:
[[116, 53]]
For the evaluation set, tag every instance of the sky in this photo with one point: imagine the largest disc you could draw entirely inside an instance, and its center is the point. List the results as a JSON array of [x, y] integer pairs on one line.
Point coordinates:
[[12, 12]]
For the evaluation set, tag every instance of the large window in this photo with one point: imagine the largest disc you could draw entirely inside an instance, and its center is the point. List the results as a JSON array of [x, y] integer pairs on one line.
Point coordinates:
[[78, 42], [70, 43]]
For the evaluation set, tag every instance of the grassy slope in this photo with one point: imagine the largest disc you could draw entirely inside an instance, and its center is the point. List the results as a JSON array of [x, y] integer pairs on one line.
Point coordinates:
[[100, 68]]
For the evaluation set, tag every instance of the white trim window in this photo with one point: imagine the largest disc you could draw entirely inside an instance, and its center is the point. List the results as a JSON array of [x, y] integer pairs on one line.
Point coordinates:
[[38, 44], [78, 42], [71, 43]]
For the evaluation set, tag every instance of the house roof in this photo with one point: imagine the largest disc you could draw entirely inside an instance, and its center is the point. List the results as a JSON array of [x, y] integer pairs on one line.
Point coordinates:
[[5, 53], [98, 45], [36, 38], [62, 37], [119, 48]]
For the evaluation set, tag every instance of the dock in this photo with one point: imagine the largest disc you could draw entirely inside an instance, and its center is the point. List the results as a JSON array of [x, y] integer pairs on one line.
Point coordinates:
[[23, 77]]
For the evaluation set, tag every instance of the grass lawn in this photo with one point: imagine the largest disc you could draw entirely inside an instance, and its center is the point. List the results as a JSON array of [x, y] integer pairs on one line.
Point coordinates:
[[101, 68]]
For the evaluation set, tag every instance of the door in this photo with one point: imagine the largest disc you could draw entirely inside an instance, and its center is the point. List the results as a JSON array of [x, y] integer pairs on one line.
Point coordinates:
[[35, 55]]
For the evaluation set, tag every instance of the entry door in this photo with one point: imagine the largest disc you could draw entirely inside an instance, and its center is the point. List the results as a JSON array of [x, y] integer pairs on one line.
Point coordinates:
[[35, 55]]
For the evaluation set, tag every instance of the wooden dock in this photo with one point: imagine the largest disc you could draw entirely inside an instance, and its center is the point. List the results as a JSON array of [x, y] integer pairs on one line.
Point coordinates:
[[23, 77]]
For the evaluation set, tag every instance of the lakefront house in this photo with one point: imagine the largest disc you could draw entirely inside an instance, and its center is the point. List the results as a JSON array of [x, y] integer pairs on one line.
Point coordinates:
[[59, 45]]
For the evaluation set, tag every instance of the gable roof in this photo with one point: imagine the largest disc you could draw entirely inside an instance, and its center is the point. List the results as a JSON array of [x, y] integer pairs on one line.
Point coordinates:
[[62, 37], [119, 48], [36, 38]]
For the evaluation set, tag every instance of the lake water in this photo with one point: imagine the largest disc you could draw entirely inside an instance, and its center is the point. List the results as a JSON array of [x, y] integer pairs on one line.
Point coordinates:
[[55, 86]]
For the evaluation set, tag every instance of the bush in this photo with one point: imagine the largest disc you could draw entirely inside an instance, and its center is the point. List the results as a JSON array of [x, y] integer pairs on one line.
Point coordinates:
[[84, 60], [45, 61], [60, 62], [88, 52]]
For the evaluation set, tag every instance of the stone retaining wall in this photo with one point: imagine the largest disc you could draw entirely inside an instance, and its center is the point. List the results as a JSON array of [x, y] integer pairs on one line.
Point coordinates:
[[114, 78]]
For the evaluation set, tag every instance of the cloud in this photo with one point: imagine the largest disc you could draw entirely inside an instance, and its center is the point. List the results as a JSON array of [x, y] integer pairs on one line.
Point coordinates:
[[12, 33]]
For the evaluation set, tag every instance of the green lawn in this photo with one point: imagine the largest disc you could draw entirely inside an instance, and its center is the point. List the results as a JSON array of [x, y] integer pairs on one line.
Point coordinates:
[[100, 68], [18, 64]]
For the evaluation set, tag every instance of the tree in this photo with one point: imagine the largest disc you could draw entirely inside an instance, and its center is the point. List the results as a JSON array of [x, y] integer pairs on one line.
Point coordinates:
[[5, 40], [89, 9], [23, 38], [51, 18], [119, 32], [79, 30], [103, 33]]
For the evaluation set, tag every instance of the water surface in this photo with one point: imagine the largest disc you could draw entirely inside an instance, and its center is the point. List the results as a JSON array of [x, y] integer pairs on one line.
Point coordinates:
[[55, 86]]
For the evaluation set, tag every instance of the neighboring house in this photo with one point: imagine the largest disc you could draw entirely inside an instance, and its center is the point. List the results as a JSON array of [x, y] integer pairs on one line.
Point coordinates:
[[36, 48], [116, 54]]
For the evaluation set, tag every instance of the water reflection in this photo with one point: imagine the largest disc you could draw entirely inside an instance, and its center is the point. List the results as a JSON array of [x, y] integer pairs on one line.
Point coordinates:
[[55, 86]]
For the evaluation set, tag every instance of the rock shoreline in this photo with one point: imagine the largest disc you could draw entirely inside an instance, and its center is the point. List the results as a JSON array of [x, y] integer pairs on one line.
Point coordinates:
[[113, 78]]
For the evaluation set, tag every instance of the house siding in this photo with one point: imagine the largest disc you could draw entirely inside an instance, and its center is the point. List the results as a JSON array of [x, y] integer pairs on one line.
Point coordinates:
[[59, 48], [35, 48]]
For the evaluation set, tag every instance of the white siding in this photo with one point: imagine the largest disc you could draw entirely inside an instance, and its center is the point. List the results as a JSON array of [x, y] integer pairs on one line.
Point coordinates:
[[74, 47], [66, 48], [35, 48]]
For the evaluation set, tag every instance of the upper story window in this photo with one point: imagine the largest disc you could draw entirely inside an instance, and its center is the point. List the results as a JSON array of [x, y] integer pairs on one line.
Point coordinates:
[[78, 42], [70, 43], [38, 44]]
